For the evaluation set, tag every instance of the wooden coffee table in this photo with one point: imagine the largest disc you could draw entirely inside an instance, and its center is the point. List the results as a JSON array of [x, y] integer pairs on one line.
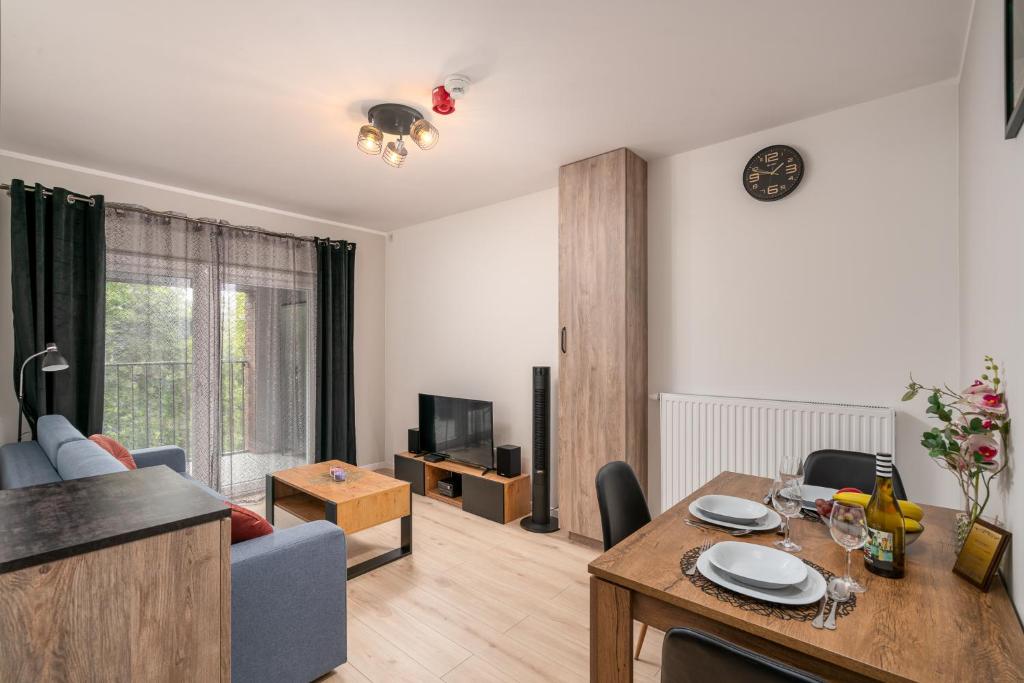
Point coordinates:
[[363, 500]]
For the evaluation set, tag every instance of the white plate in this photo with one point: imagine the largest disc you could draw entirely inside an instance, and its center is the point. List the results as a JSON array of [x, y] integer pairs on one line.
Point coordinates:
[[769, 522], [757, 565], [731, 509], [807, 591], [810, 493]]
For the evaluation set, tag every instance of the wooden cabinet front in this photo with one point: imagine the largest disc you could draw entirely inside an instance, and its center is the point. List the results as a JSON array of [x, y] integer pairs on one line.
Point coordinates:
[[156, 609], [603, 311]]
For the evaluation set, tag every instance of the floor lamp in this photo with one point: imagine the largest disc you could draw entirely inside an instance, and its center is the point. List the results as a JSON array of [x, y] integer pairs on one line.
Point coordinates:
[[52, 362]]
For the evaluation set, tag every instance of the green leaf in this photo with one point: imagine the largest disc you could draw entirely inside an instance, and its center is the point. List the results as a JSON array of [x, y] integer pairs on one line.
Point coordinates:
[[911, 393]]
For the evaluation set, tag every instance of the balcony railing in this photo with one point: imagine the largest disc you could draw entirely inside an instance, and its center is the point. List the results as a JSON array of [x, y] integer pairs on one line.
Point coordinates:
[[150, 404]]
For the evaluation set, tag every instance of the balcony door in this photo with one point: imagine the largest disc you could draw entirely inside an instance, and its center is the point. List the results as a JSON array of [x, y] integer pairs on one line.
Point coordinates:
[[209, 346]]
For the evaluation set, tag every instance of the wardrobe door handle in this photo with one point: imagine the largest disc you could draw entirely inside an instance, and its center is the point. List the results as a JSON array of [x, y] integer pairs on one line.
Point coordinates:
[[563, 340]]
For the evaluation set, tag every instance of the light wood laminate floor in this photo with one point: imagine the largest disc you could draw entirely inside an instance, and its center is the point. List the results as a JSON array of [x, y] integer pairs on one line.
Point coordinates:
[[475, 602]]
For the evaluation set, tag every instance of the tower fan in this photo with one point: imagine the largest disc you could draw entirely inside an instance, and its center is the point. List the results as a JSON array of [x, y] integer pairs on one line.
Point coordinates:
[[541, 520]]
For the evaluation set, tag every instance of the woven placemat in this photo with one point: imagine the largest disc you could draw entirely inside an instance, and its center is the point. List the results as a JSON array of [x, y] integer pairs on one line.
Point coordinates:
[[768, 609]]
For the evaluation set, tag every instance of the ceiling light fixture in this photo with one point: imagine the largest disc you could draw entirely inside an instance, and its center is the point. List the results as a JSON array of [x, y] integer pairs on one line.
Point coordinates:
[[395, 119]]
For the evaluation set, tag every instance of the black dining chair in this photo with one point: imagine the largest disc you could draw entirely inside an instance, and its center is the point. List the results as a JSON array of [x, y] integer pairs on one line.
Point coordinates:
[[839, 469], [623, 510], [690, 656]]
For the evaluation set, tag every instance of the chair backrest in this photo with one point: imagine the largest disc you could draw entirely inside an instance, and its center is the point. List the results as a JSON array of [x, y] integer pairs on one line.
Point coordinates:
[[621, 501], [689, 656], [838, 469]]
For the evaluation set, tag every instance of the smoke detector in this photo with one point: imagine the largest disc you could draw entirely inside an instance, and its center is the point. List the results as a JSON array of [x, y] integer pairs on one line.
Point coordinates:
[[456, 85]]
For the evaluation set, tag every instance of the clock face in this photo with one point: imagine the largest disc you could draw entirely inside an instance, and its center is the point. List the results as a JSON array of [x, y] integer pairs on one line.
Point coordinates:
[[773, 173]]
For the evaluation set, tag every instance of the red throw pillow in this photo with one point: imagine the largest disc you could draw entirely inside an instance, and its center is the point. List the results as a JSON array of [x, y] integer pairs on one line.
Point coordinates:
[[114, 447], [246, 524]]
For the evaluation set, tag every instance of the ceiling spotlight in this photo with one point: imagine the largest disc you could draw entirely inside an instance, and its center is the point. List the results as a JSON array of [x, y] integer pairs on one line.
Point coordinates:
[[370, 140], [423, 134], [399, 120], [394, 153]]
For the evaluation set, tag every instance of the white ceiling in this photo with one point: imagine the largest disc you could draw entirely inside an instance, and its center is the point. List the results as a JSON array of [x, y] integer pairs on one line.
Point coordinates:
[[260, 101]]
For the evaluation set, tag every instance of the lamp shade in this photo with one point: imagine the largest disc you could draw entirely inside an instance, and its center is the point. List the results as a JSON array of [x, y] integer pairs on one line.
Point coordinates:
[[394, 154], [424, 134], [370, 140], [53, 361]]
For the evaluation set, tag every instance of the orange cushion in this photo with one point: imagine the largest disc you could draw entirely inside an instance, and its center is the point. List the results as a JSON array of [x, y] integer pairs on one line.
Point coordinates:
[[114, 447], [246, 524]]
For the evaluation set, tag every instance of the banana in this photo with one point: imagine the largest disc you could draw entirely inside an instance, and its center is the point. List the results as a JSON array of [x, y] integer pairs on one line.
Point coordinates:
[[911, 511]]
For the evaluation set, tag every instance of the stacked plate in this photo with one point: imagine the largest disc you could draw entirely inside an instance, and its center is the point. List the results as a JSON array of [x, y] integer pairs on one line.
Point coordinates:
[[761, 572], [810, 493], [734, 513]]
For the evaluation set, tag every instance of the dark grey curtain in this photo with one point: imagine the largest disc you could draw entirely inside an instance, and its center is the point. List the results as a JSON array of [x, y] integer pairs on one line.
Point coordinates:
[[58, 277], [335, 386]]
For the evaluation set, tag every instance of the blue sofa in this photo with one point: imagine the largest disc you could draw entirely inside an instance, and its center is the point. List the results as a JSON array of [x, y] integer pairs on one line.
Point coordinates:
[[288, 606]]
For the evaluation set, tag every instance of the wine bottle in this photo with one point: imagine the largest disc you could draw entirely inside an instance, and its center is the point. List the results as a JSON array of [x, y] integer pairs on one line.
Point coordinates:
[[885, 551]]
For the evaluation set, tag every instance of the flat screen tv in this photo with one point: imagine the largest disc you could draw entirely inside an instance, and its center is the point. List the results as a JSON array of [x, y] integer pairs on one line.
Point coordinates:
[[460, 428]]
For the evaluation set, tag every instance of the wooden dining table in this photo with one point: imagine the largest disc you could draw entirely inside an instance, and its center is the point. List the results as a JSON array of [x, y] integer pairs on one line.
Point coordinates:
[[931, 625]]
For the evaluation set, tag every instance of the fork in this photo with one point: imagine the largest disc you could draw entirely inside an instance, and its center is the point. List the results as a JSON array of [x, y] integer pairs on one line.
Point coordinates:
[[704, 547]]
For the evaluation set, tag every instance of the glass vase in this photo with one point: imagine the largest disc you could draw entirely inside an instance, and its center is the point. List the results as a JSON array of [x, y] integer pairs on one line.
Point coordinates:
[[961, 526]]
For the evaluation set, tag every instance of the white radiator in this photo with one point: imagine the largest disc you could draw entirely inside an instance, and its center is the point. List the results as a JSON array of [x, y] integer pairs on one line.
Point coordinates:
[[702, 436]]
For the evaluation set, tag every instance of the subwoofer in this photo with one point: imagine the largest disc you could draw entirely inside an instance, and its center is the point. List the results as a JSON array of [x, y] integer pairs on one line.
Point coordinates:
[[541, 521]]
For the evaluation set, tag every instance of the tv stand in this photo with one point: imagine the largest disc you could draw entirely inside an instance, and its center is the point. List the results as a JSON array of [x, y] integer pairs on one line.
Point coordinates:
[[486, 494]]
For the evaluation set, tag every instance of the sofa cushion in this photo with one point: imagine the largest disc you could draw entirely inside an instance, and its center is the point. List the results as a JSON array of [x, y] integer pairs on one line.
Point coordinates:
[[53, 431], [25, 464], [77, 459], [246, 524], [114, 447]]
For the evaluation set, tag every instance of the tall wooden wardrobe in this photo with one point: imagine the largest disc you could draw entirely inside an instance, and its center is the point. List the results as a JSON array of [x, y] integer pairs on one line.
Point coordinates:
[[602, 306]]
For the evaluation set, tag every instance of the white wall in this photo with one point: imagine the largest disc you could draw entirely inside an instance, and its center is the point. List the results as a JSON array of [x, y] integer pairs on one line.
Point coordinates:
[[992, 249], [369, 324], [834, 293], [472, 306]]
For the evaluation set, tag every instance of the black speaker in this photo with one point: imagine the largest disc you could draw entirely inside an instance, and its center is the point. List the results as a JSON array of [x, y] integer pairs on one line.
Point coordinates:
[[541, 520], [509, 461], [414, 440]]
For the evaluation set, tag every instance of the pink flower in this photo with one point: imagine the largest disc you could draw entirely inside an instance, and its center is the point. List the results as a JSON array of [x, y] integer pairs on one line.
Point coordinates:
[[987, 402], [979, 387], [981, 450], [988, 424]]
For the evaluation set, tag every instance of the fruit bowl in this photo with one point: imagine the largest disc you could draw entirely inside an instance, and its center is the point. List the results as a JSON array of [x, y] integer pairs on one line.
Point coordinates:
[[909, 538]]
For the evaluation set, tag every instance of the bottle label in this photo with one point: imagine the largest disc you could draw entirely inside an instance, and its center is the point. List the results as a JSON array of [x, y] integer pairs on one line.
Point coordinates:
[[879, 548]]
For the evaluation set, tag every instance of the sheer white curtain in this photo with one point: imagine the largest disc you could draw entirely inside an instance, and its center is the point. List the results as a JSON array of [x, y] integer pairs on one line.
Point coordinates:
[[210, 344]]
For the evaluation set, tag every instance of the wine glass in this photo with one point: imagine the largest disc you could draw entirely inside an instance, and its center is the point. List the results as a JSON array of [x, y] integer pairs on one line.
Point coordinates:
[[791, 467], [849, 529], [786, 501]]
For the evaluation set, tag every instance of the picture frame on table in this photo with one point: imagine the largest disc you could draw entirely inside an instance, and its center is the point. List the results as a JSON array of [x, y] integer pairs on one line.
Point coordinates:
[[981, 554], [1014, 27]]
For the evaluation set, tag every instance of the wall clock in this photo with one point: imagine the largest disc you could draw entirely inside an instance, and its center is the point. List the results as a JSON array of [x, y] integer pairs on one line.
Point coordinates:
[[773, 173]]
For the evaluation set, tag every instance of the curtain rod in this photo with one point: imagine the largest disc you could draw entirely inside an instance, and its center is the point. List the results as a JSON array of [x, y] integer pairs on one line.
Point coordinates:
[[170, 214], [72, 198], [208, 221]]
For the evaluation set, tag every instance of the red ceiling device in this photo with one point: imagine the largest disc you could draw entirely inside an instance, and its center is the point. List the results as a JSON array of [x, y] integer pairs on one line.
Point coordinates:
[[444, 96], [443, 102]]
